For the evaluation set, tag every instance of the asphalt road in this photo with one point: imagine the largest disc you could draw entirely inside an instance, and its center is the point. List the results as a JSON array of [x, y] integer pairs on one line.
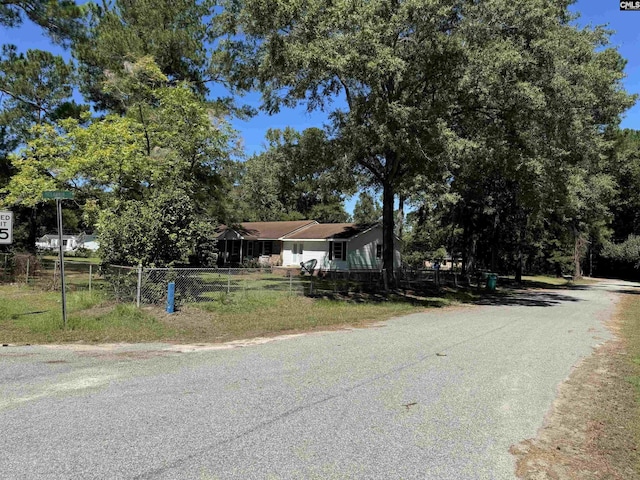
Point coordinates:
[[436, 395]]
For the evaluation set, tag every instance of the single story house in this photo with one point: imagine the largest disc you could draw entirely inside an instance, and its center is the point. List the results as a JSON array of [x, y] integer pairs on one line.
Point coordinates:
[[335, 246], [69, 242], [255, 240]]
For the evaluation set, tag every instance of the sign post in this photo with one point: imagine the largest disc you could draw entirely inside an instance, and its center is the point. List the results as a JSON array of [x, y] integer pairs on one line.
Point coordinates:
[[59, 195], [6, 228]]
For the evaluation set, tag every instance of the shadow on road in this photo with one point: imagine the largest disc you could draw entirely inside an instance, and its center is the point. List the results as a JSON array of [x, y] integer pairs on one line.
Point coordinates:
[[628, 292], [525, 299]]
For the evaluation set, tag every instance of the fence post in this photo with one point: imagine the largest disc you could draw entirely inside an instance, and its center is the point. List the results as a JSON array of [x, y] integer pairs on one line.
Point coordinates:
[[290, 281], [384, 280], [229, 281], [139, 289], [171, 296], [55, 272], [90, 274], [311, 285], [27, 276]]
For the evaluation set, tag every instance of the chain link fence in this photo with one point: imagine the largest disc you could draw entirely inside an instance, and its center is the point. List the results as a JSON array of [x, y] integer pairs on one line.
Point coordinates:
[[200, 285], [44, 273], [196, 285]]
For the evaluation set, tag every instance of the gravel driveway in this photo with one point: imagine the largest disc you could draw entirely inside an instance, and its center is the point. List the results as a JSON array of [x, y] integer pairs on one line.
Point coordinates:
[[435, 395]]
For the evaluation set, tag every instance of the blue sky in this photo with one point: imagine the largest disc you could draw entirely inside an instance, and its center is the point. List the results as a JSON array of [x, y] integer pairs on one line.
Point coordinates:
[[626, 38]]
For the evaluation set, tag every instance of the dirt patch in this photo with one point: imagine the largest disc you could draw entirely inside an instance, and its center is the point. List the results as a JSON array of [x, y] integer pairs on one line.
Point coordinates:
[[587, 434]]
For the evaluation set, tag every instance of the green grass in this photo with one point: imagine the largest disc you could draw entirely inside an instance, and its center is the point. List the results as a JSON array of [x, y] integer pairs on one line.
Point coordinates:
[[270, 313], [30, 315]]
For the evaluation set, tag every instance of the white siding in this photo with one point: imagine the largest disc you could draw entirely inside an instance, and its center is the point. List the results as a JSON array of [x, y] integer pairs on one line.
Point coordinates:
[[362, 250], [361, 253], [310, 250], [92, 245]]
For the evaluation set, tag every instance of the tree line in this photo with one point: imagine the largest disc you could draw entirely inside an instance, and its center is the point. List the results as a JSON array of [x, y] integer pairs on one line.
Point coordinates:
[[494, 125]]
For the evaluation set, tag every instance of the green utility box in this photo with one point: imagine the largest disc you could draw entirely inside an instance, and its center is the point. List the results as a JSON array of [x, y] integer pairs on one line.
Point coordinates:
[[492, 280]]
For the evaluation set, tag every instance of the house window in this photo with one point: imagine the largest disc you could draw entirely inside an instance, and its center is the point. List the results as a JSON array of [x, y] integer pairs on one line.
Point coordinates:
[[378, 251], [250, 249], [65, 242], [337, 251], [267, 248]]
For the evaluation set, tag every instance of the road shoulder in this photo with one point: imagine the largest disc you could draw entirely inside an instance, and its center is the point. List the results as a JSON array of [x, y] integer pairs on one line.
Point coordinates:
[[587, 432]]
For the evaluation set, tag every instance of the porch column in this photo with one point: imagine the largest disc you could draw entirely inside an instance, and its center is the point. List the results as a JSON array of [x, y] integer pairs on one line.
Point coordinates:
[[225, 251]]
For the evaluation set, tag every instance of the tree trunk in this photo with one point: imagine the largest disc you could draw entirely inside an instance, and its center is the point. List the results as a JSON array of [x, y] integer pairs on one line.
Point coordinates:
[[471, 254], [521, 236], [400, 224], [387, 230], [519, 266], [494, 245], [577, 254]]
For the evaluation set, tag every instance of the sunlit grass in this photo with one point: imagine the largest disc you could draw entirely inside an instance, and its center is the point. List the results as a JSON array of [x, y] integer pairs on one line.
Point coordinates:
[[30, 315]]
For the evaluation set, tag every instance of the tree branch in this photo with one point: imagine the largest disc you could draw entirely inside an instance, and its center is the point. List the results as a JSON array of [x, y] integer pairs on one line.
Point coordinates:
[[346, 91], [40, 108]]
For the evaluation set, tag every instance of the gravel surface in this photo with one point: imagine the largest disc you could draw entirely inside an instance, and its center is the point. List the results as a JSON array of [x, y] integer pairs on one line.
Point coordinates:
[[436, 395]]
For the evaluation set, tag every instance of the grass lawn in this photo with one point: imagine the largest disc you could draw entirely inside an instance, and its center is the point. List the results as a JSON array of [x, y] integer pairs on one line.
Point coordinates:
[[30, 315], [258, 305]]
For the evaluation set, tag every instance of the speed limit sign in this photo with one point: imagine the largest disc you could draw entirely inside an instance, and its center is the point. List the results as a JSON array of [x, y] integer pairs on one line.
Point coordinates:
[[6, 228]]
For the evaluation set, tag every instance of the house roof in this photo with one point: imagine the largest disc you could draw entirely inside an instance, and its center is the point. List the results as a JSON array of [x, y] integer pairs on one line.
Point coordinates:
[[54, 236], [78, 236], [331, 231], [262, 230]]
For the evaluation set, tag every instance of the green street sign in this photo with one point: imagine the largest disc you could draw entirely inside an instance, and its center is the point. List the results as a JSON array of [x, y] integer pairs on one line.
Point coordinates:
[[57, 194]]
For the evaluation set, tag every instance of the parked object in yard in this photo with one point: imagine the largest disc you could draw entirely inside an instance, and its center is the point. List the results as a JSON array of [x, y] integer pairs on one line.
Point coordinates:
[[308, 266]]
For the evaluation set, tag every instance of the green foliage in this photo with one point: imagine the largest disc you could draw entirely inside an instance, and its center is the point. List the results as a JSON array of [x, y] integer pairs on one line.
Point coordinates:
[[35, 90], [148, 178], [627, 252], [178, 141], [159, 232], [624, 167], [37, 87], [536, 98], [415, 259], [367, 210], [59, 18], [80, 253], [395, 64], [120, 32], [296, 178], [439, 255]]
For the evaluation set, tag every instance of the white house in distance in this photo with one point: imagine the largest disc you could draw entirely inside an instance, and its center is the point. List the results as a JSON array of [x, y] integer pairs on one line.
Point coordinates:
[[69, 242], [335, 246]]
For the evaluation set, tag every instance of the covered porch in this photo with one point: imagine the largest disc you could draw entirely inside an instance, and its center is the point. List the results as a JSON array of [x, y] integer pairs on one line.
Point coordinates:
[[235, 250]]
